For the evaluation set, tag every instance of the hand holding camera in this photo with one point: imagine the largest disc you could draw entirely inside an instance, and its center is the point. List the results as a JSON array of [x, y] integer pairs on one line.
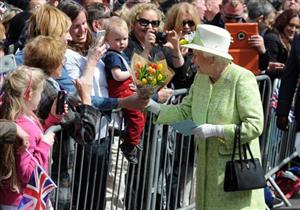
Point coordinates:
[[169, 39], [98, 38], [60, 106], [98, 48], [161, 38], [61, 101]]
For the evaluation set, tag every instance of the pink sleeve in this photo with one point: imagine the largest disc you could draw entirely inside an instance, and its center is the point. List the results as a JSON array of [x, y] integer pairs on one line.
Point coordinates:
[[39, 149], [51, 120]]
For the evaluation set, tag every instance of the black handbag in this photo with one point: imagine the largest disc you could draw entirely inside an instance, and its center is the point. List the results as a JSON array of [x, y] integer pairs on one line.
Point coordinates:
[[243, 174]]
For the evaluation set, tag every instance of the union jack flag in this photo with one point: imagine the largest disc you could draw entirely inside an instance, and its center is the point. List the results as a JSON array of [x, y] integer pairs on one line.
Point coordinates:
[[35, 194]]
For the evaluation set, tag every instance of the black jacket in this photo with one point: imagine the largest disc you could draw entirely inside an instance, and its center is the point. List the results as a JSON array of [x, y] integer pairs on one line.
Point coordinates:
[[8, 132], [277, 52], [79, 123], [289, 82]]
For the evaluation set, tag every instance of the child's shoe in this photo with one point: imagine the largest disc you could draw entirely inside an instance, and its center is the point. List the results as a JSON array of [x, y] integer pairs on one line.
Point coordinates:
[[130, 152]]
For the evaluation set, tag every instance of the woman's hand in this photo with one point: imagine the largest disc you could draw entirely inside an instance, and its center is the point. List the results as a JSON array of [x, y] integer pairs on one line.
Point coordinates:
[[94, 55], [48, 138], [133, 102], [173, 44], [257, 41], [53, 110], [173, 40], [84, 91], [208, 130], [275, 66], [184, 51], [150, 40], [164, 94], [96, 52], [149, 43]]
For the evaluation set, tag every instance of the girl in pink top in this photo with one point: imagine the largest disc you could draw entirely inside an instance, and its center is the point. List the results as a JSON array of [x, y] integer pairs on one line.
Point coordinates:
[[22, 93]]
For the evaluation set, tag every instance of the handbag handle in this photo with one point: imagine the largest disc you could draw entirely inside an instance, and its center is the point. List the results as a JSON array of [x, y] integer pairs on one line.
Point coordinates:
[[237, 136], [237, 143]]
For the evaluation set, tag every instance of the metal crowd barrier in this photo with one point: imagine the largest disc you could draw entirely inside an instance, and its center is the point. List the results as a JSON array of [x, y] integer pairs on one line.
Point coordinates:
[[265, 88], [279, 146], [97, 176]]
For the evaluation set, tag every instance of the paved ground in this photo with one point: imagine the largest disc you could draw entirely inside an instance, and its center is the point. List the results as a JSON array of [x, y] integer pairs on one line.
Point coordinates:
[[295, 201]]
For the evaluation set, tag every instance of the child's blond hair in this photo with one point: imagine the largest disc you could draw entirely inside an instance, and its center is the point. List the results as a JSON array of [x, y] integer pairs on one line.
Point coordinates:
[[114, 23], [17, 85]]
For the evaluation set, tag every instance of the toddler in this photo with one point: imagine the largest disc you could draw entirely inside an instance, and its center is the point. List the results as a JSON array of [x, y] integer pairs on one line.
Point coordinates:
[[119, 78]]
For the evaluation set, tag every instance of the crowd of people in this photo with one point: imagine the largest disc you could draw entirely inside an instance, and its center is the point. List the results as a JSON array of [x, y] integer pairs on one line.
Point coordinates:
[[85, 47]]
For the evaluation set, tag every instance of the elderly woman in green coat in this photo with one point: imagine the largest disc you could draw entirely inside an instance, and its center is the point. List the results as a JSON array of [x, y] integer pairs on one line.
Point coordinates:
[[222, 95]]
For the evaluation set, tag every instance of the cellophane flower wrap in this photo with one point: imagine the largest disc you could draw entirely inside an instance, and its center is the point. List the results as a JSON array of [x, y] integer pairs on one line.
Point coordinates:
[[149, 77]]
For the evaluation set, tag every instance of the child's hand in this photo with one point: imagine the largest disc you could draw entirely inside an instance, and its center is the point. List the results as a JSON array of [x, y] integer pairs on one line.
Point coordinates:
[[132, 87], [24, 138], [53, 110], [48, 138]]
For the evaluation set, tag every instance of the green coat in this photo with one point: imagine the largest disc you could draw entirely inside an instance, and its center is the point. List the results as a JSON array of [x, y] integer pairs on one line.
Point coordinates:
[[233, 99]]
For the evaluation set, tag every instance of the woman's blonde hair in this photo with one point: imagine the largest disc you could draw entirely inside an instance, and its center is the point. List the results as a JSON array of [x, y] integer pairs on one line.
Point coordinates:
[[17, 84], [48, 21], [136, 10], [173, 20], [44, 52]]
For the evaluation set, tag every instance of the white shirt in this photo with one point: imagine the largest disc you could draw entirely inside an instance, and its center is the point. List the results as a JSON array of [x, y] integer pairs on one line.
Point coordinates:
[[75, 65]]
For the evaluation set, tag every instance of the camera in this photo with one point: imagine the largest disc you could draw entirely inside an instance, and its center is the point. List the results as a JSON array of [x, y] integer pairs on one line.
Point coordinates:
[[61, 100], [161, 38]]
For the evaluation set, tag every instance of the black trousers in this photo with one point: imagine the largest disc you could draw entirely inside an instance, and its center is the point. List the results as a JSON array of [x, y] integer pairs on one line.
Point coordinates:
[[92, 182]]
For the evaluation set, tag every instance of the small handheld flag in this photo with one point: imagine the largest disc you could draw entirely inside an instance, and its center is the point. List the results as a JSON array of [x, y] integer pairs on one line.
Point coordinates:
[[35, 194]]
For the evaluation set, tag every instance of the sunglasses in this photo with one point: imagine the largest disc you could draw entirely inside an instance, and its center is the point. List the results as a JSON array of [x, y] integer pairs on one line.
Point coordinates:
[[190, 23], [144, 22], [233, 18]]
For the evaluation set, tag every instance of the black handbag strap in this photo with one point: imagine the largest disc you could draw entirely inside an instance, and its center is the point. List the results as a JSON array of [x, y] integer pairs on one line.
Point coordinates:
[[237, 136], [247, 147], [237, 143]]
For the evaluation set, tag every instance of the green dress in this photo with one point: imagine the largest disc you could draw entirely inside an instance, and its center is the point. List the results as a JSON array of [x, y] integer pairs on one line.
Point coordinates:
[[232, 99]]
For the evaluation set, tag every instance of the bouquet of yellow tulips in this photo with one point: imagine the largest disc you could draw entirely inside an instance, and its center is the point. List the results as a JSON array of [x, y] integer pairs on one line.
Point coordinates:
[[149, 77]]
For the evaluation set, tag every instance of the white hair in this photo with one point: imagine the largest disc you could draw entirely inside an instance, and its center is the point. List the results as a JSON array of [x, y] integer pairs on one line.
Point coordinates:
[[218, 59]]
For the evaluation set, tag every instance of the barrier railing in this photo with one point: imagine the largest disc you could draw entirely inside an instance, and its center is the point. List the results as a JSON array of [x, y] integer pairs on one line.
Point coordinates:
[[265, 87], [96, 176], [279, 147]]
